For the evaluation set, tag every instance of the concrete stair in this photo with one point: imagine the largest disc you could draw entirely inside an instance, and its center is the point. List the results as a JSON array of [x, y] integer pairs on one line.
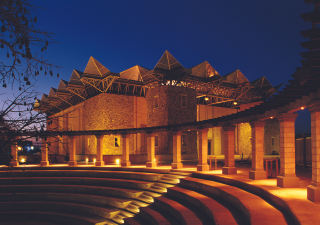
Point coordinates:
[[128, 197]]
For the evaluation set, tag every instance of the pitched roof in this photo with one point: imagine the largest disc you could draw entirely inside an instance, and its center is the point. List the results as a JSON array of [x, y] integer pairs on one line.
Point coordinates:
[[168, 62], [136, 73], [95, 68], [75, 78], [204, 70], [236, 77]]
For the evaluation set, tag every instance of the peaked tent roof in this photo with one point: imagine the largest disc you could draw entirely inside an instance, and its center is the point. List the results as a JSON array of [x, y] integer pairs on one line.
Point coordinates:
[[204, 70], [75, 78], [168, 62], [236, 77], [62, 86], [44, 98], [52, 93], [262, 83], [136, 73], [95, 68]]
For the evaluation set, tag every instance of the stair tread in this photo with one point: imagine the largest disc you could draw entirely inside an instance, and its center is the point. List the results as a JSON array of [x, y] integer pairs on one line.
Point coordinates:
[[177, 210], [150, 214], [259, 209], [217, 212]]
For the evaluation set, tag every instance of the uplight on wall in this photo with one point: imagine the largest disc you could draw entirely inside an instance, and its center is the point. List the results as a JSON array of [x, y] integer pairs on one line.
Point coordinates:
[[117, 161], [94, 160], [22, 160], [206, 98], [235, 103], [32, 147], [302, 108], [87, 160]]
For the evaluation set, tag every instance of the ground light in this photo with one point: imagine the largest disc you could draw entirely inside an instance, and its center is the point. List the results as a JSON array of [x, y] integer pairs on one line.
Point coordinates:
[[87, 160], [94, 160], [117, 161]]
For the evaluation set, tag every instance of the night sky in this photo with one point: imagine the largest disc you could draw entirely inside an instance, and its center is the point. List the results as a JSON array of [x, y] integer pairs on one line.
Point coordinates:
[[261, 38]]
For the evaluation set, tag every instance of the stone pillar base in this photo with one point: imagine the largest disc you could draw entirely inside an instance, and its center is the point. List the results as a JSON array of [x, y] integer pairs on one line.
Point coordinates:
[[151, 164], [313, 192], [14, 163], [44, 163], [126, 163], [229, 170], [99, 163], [202, 167], [257, 174], [72, 163], [176, 165], [288, 181]]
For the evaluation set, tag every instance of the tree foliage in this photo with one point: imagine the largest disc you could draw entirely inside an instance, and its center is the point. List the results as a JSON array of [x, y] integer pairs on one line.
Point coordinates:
[[22, 44]]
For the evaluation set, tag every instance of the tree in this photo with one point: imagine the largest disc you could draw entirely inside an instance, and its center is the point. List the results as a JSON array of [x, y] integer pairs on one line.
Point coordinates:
[[17, 115], [22, 44]]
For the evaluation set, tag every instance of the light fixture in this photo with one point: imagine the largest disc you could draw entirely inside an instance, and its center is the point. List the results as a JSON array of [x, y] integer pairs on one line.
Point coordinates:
[[271, 117], [117, 161], [19, 148], [87, 160], [94, 160], [32, 147], [302, 108], [206, 98], [235, 103], [23, 160]]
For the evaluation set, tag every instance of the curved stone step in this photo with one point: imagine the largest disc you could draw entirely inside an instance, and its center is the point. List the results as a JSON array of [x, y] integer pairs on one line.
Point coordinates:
[[96, 200], [180, 173], [177, 210], [218, 213], [51, 217], [60, 207], [152, 177], [153, 216], [76, 189], [106, 182], [253, 208], [131, 221]]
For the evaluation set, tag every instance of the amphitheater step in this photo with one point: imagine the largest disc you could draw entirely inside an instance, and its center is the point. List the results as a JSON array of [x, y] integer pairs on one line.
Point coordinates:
[[60, 207], [215, 211], [131, 221], [253, 208], [153, 217], [100, 201], [180, 173], [163, 185], [151, 177], [88, 181], [177, 210], [158, 189], [51, 217], [76, 189]]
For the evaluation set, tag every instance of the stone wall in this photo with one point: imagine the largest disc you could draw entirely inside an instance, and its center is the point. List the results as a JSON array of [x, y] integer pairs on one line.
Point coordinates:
[[271, 130], [244, 139], [108, 111]]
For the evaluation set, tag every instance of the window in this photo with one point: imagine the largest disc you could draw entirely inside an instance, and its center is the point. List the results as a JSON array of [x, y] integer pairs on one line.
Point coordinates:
[[184, 140], [156, 140], [156, 102], [116, 142], [272, 141], [183, 100]]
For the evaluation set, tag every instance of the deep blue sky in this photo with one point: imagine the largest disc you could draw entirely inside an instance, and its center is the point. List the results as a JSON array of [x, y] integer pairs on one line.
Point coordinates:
[[261, 38]]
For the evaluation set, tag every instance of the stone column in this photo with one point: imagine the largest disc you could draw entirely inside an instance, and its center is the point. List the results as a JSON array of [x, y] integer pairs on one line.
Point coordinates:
[[257, 130], [72, 151], [14, 153], [203, 150], [229, 145], [151, 150], [125, 150], [99, 160], [44, 153], [176, 150], [287, 177], [313, 190]]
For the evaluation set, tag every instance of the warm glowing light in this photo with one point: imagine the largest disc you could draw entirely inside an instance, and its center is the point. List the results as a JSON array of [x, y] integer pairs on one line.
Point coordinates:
[[32, 147], [117, 161], [19, 148], [154, 159], [235, 103], [302, 108], [271, 117], [94, 160], [206, 98], [87, 160], [23, 160]]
